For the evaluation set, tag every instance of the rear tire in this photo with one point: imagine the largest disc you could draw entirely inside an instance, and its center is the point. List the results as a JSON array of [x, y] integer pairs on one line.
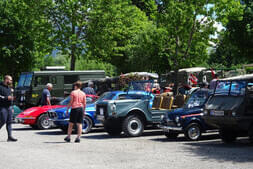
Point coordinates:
[[227, 136], [43, 122], [133, 126], [193, 132]]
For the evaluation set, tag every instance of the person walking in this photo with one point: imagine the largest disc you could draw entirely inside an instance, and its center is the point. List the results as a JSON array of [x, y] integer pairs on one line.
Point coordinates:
[[77, 104], [6, 99], [46, 96], [213, 82], [89, 90]]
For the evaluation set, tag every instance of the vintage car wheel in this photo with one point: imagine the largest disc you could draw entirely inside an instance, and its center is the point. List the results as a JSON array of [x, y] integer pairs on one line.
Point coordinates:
[[193, 132], [87, 125], [112, 128], [171, 135], [227, 136], [43, 122], [133, 126]]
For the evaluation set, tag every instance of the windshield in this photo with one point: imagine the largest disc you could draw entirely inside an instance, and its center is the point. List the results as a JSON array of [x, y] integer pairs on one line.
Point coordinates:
[[107, 96], [198, 98], [141, 85], [25, 80], [66, 101], [234, 88]]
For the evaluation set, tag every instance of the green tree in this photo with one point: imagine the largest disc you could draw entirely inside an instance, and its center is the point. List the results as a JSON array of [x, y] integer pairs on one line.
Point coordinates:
[[188, 27], [112, 28], [23, 32], [69, 18], [235, 43], [148, 6]]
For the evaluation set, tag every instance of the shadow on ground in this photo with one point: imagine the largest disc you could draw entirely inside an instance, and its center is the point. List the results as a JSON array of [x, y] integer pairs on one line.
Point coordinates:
[[240, 151], [105, 135], [181, 138], [23, 129], [52, 132]]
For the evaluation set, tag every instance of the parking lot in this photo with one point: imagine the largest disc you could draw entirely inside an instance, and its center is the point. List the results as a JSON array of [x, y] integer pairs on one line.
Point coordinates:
[[46, 149]]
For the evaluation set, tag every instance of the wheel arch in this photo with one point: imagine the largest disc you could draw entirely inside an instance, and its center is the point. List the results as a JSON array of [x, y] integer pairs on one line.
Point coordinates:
[[197, 121], [139, 113], [92, 119]]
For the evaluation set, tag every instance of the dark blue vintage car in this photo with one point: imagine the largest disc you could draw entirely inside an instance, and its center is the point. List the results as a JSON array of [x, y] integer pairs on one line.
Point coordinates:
[[187, 120]]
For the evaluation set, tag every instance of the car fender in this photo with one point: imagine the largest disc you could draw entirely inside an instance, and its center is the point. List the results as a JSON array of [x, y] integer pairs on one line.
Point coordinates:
[[139, 112], [195, 119]]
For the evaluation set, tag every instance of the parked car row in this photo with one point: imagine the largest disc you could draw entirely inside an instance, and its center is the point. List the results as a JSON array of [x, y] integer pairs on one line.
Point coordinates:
[[228, 108]]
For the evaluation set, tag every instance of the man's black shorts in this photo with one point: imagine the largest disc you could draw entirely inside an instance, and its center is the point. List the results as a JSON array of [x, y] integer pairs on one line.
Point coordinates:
[[76, 115]]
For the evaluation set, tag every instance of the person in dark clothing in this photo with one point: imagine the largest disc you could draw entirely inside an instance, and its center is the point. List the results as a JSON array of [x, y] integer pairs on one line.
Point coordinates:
[[45, 98], [6, 99], [89, 89]]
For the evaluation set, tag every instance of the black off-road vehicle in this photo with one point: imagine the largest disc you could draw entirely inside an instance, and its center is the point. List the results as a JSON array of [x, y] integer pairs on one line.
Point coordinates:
[[231, 107]]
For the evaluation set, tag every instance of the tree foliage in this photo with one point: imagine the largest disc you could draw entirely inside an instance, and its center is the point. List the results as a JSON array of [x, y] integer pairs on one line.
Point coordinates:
[[69, 18], [235, 44], [23, 31], [113, 24], [123, 35]]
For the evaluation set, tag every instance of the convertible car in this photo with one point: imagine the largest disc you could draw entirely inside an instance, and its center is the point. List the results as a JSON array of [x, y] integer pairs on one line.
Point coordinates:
[[37, 117]]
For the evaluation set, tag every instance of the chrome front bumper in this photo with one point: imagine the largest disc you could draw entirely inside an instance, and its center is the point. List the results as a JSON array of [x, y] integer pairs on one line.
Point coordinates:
[[60, 120], [168, 128], [22, 119]]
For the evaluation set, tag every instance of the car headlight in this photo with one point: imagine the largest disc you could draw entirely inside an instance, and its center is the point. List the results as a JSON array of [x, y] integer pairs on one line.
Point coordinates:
[[162, 117], [177, 119], [205, 112], [113, 107], [233, 113]]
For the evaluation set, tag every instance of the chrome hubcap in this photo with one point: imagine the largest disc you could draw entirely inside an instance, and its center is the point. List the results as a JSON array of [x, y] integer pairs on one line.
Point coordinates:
[[194, 133], [86, 124], [134, 126], [45, 123]]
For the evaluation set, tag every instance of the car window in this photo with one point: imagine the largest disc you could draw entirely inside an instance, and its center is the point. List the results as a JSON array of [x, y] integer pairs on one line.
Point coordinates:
[[65, 101], [197, 99], [136, 96], [25, 80], [121, 97], [107, 96], [70, 79], [238, 88], [41, 80], [222, 88]]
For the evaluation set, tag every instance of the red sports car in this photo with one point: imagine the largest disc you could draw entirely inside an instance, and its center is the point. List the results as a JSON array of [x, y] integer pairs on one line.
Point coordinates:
[[37, 117]]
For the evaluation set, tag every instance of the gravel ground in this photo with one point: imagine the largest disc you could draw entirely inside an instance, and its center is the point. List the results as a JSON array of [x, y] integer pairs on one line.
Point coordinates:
[[45, 149]]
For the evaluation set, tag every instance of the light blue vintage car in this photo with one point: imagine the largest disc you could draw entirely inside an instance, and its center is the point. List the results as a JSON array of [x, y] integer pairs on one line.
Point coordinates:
[[131, 112]]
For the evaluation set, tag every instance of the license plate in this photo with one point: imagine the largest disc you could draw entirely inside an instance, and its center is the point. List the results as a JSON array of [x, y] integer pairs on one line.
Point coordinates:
[[101, 111], [217, 113], [100, 117]]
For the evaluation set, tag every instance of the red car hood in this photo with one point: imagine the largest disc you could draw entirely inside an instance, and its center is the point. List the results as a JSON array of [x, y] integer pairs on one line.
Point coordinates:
[[36, 111]]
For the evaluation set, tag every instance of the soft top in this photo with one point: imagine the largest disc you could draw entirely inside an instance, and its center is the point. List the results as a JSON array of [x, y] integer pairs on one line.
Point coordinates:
[[241, 77]]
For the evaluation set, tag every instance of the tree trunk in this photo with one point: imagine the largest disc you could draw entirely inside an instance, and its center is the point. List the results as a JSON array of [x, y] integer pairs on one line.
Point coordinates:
[[73, 49], [73, 58]]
